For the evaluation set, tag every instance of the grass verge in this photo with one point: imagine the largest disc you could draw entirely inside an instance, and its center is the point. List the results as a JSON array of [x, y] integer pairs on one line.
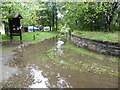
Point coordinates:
[[111, 36], [28, 36], [89, 53]]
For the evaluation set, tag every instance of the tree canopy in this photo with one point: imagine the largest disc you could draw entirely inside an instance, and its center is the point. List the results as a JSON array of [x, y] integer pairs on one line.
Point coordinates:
[[103, 16], [91, 15]]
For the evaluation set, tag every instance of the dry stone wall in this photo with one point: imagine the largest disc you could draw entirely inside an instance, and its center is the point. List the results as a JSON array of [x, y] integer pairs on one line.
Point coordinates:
[[100, 46]]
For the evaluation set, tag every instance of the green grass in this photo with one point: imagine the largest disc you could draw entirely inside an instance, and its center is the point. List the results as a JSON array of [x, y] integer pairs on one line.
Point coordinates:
[[28, 36], [111, 36], [75, 65], [89, 53]]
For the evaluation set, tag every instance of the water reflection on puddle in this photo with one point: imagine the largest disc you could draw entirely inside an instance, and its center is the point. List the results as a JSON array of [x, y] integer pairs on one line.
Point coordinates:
[[6, 71], [39, 80], [59, 46], [62, 83], [48, 64]]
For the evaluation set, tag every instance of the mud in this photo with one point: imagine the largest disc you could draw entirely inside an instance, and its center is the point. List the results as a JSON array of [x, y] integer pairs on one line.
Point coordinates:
[[47, 64]]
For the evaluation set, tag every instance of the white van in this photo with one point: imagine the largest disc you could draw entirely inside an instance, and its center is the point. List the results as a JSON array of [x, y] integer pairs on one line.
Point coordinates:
[[46, 28]]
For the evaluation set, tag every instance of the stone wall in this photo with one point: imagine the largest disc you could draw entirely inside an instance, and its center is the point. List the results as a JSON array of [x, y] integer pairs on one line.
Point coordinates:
[[100, 46]]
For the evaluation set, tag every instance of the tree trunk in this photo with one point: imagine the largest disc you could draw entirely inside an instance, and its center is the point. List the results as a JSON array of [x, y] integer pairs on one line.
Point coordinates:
[[56, 20], [108, 17], [107, 22], [53, 21]]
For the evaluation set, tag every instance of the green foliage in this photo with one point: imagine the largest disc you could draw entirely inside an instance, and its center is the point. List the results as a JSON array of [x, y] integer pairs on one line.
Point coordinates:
[[91, 15], [27, 9], [76, 15], [33, 13]]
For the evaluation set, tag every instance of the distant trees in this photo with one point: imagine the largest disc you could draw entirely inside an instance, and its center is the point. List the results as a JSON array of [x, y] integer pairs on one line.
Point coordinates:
[[34, 13], [26, 9], [109, 14], [91, 15], [102, 16], [52, 14]]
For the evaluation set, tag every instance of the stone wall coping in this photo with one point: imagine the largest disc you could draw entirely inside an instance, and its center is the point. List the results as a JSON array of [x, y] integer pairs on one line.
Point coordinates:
[[99, 41]]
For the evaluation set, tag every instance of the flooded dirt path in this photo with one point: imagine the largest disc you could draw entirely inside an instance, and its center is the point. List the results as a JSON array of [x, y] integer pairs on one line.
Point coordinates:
[[49, 64]]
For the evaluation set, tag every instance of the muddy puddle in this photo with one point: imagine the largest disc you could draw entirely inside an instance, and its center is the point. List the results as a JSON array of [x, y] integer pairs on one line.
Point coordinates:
[[50, 64]]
